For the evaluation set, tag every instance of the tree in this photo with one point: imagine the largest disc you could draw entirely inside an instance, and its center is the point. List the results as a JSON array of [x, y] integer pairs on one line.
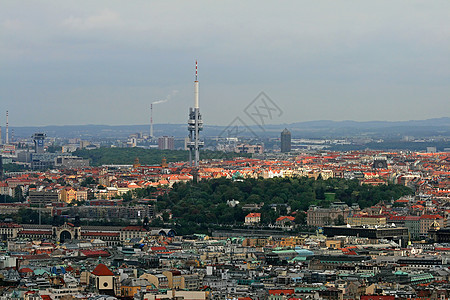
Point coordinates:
[[300, 218], [88, 181], [146, 222], [127, 197], [54, 148], [268, 215], [203, 205], [146, 156], [7, 199], [165, 216], [18, 194], [339, 220], [157, 222], [282, 210]]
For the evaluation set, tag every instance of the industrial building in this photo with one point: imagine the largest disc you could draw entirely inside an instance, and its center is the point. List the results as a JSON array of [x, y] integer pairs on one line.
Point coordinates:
[[246, 148], [43, 198], [398, 234]]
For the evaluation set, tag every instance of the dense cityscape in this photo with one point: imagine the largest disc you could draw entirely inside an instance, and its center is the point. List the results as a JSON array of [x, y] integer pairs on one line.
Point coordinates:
[[278, 224]]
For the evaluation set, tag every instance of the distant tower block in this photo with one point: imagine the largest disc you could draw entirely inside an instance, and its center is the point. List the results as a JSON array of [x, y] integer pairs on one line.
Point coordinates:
[[1, 167], [166, 143], [7, 128], [285, 141], [38, 139]]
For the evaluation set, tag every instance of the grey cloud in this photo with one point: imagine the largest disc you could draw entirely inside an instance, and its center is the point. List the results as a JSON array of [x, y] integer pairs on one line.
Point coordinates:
[[310, 55]]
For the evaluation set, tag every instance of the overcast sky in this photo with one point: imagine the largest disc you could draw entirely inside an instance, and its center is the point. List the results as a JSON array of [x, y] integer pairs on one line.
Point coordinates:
[[104, 62]]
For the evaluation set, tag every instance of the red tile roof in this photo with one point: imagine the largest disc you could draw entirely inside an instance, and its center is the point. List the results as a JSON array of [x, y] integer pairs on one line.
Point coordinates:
[[397, 218], [93, 233], [25, 270], [41, 232], [158, 249], [253, 215], [434, 217], [285, 217], [95, 253], [133, 228], [102, 270], [279, 292], [32, 257]]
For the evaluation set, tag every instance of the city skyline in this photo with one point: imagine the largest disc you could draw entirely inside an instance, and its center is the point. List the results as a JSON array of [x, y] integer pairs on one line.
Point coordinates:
[[106, 62]]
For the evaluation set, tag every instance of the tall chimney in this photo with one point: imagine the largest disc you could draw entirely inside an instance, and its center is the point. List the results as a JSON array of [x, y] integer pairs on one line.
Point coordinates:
[[151, 120]]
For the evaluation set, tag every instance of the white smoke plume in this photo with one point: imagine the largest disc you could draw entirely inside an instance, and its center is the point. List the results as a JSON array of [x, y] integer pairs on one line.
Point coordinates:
[[174, 92]]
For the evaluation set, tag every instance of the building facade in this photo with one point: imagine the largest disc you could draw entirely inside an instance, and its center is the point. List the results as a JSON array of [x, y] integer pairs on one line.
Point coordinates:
[[370, 220], [246, 148], [166, 143], [252, 218], [43, 198], [319, 216]]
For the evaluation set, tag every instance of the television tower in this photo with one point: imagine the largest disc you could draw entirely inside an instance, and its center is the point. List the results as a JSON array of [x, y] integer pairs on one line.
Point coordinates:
[[195, 125]]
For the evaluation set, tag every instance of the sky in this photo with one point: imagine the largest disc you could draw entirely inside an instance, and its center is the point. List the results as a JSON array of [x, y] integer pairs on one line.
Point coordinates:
[[104, 62]]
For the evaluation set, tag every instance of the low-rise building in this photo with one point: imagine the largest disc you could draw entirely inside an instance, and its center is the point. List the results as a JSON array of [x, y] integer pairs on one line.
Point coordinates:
[[131, 232], [43, 198], [319, 216], [253, 218], [160, 281], [371, 220], [426, 221], [9, 230]]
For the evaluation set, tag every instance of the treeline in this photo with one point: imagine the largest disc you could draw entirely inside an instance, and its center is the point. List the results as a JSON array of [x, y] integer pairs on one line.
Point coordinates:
[[29, 216], [103, 156], [197, 204], [13, 168]]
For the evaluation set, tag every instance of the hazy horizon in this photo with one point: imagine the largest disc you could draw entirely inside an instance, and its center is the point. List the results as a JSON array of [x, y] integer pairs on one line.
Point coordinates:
[[104, 62], [223, 125]]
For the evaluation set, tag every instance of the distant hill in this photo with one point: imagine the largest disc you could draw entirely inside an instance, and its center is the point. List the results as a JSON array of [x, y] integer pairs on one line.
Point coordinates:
[[309, 129], [373, 124]]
